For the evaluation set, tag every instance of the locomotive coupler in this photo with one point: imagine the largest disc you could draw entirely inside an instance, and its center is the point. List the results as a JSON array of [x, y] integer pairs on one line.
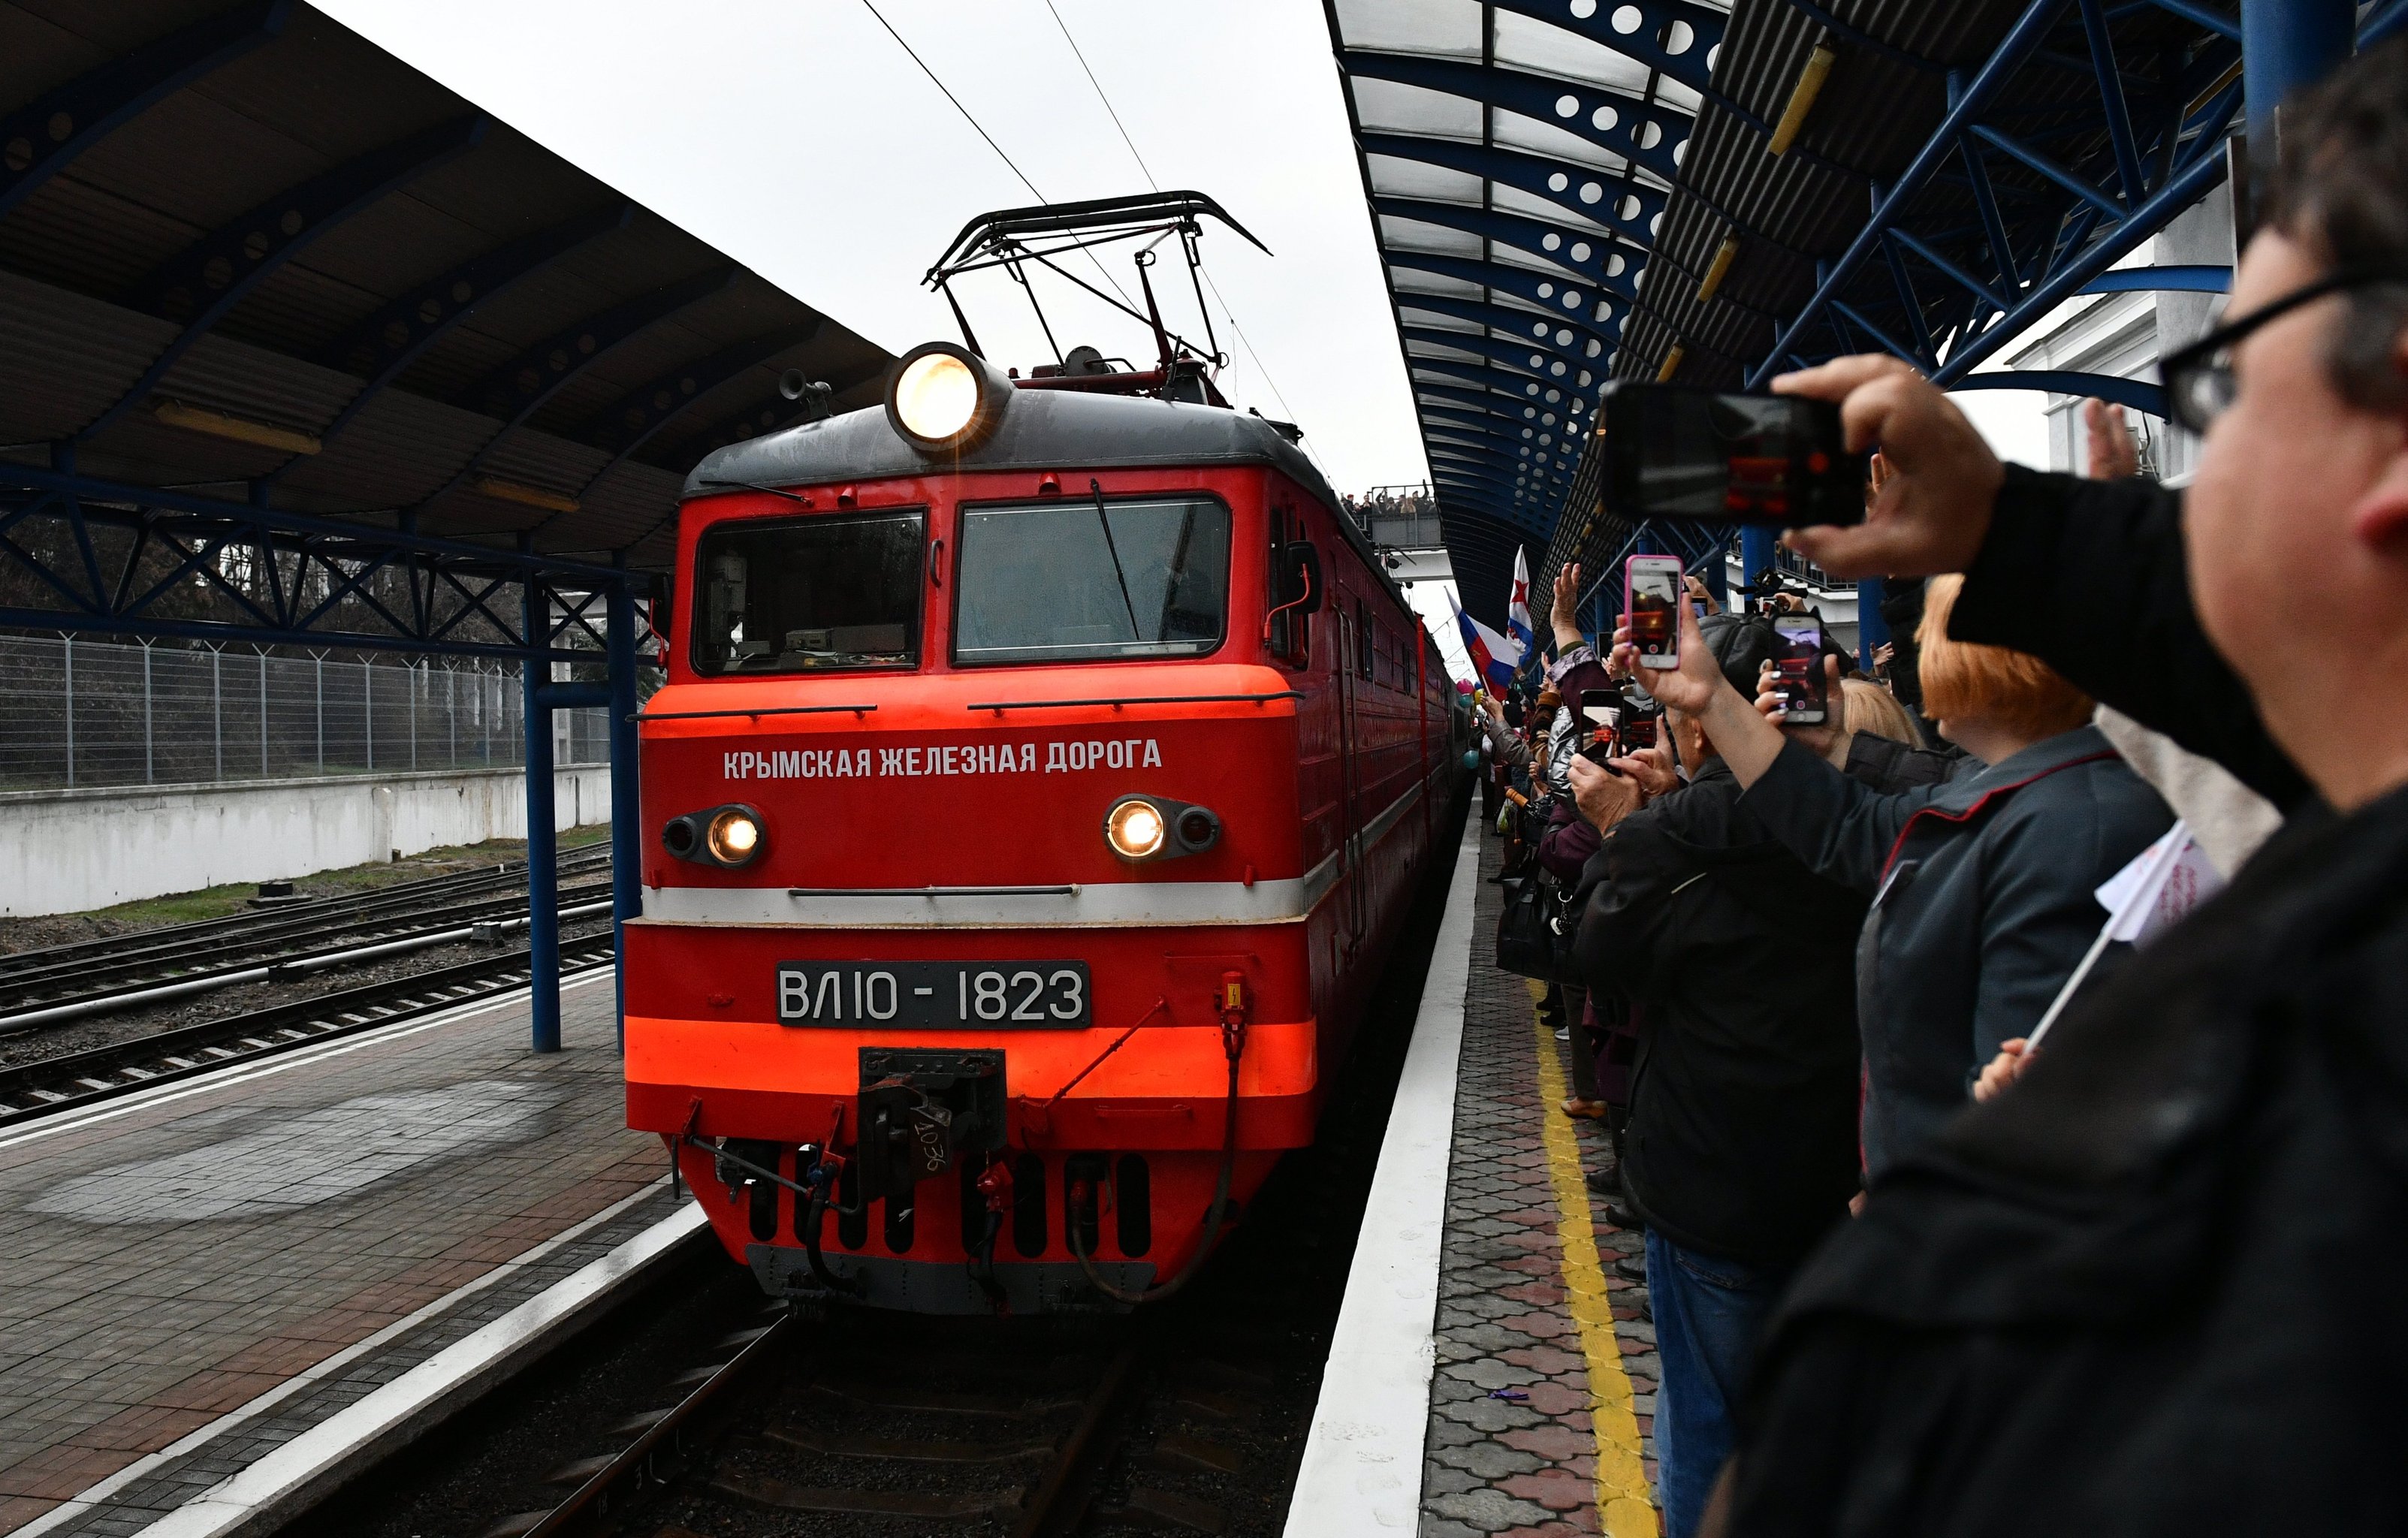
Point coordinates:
[[919, 1108]]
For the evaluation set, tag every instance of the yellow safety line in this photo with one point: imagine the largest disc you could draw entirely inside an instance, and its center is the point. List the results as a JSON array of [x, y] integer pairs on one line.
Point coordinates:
[[1624, 1507]]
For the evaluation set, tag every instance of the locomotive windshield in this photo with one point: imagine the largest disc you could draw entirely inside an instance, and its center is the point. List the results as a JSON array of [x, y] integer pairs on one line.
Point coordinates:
[[1065, 580], [799, 595]]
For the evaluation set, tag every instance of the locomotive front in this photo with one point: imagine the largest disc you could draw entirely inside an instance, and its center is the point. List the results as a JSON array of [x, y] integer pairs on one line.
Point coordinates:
[[977, 966]]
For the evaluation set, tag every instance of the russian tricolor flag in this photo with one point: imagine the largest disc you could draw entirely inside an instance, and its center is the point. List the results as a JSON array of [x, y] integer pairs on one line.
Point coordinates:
[[1495, 658]]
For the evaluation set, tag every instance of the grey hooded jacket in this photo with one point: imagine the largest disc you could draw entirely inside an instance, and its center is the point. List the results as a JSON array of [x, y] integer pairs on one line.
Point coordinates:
[[1983, 905]]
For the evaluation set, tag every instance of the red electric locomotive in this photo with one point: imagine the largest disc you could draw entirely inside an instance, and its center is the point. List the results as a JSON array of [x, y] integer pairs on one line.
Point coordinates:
[[1044, 767]]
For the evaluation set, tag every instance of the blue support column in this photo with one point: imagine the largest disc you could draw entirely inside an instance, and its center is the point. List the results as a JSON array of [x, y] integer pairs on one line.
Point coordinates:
[[1756, 546], [543, 844], [1718, 570], [1872, 631], [2286, 44], [626, 829]]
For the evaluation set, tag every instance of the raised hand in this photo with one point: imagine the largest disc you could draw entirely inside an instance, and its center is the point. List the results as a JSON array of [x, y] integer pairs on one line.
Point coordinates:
[[1564, 615], [1933, 508]]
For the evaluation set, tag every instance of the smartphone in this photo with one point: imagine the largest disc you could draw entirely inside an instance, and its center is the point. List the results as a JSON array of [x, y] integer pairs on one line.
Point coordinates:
[[1719, 457], [1637, 732], [1798, 668], [1651, 598], [1601, 714]]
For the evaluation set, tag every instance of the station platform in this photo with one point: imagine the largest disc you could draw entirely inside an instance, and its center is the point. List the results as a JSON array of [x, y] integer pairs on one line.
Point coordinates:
[[1528, 1303], [1490, 1374], [220, 1291]]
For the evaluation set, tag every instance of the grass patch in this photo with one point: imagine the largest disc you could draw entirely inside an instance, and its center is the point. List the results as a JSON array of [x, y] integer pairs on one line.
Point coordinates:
[[186, 908]]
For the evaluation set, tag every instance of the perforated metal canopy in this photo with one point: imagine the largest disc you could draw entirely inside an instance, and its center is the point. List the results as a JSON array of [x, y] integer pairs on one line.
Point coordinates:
[[246, 254], [1569, 189], [1518, 157]]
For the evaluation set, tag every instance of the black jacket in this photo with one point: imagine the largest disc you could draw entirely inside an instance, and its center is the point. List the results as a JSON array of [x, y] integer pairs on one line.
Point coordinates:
[[1985, 905], [1887, 765], [2155, 1289], [1742, 1140]]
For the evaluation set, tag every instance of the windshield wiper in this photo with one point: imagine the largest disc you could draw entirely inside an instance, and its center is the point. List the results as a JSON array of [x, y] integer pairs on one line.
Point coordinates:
[[1114, 551], [755, 486]]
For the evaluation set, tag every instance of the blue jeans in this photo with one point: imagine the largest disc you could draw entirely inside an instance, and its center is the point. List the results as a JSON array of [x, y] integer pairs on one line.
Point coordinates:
[[1707, 1313]]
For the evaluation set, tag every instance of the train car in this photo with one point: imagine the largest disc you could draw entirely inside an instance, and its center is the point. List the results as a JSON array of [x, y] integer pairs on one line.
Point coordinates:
[[1045, 769]]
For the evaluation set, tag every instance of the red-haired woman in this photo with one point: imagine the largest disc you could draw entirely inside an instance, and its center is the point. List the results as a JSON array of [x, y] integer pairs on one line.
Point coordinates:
[[1982, 886]]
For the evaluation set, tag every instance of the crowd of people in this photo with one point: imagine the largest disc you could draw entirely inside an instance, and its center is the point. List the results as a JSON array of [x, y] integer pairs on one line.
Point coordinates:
[[1914, 1270]]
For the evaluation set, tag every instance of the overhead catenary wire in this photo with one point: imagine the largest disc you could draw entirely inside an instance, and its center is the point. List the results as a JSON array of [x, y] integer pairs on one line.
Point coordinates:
[[1138, 156], [971, 119]]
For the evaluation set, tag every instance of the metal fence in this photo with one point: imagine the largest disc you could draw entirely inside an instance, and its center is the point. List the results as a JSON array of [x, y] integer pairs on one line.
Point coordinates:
[[77, 713]]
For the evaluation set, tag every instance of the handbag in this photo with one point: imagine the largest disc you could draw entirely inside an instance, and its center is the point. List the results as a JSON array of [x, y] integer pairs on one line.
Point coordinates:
[[1534, 930]]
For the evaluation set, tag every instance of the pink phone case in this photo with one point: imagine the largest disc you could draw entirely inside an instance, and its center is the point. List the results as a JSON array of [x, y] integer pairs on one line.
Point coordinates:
[[1670, 655]]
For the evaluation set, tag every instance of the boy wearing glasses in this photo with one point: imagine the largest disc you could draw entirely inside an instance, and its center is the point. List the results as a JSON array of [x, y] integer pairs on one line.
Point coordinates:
[[2156, 1287]]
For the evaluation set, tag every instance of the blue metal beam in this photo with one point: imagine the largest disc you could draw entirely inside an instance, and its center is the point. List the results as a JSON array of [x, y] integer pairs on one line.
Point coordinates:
[[42, 137], [316, 581], [1516, 356], [2139, 394], [1496, 377], [625, 427], [1618, 122], [1604, 258], [218, 271], [1539, 288], [1589, 192], [2176, 277], [519, 387], [1563, 334], [2186, 187], [2021, 39], [387, 342]]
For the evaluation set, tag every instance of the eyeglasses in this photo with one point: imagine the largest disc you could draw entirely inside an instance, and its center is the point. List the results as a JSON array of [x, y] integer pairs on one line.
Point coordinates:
[[2199, 378]]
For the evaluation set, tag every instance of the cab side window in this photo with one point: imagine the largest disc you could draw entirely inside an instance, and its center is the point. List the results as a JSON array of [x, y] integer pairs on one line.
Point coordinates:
[[1291, 638]]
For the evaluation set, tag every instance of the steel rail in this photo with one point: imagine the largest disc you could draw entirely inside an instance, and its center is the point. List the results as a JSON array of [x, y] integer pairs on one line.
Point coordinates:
[[301, 913], [111, 1001], [63, 983], [73, 1079]]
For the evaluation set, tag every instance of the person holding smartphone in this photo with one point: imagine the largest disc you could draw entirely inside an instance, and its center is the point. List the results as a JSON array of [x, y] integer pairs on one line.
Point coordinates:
[[1981, 887], [2155, 1289], [1741, 1151]]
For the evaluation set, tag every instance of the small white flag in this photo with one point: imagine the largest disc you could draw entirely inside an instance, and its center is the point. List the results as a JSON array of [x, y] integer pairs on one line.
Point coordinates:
[[2158, 888], [2147, 897]]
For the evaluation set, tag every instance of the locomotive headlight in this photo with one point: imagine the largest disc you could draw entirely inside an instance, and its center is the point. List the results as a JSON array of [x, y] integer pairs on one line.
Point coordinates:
[[1152, 827], [936, 396], [734, 836], [725, 836], [1135, 829], [944, 399]]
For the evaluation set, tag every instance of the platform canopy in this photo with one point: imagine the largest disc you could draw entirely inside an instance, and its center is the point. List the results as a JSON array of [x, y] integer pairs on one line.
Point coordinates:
[[1571, 191], [248, 257]]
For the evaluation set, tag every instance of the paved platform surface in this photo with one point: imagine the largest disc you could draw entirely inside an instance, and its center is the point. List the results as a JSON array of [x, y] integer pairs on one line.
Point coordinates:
[[1528, 1306], [195, 1275]]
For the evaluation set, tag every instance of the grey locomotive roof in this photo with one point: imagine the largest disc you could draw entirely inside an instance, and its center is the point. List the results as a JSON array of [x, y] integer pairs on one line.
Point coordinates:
[[1042, 430], [1058, 430]]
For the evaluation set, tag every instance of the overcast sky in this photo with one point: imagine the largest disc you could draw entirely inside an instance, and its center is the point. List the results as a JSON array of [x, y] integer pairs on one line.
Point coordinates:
[[798, 136], [801, 138]]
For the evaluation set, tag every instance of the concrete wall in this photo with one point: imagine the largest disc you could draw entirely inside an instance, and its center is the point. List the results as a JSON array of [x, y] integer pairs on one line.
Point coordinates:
[[65, 852]]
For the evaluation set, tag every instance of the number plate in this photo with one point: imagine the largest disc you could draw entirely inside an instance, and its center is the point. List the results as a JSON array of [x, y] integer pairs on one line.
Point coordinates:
[[934, 995]]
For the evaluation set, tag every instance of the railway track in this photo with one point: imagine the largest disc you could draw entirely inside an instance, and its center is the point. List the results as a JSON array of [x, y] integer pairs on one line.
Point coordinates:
[[1010, 1442], [885, 1425], [36, 983], [64, 1082]]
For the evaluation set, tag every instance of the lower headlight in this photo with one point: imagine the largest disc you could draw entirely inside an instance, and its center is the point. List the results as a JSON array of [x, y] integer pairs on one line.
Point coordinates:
[[734, 835], [1140, 827], [725, 836], [1136, 829]]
